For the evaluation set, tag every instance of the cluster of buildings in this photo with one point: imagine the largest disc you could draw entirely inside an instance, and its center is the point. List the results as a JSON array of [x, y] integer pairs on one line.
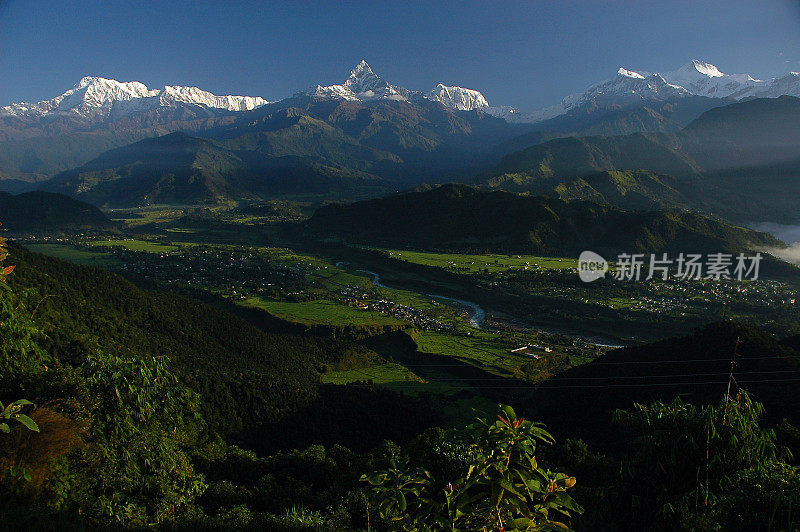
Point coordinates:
[[356, 296]]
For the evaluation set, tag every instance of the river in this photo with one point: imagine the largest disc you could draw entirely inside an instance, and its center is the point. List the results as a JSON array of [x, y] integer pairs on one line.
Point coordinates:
[[477, 314]]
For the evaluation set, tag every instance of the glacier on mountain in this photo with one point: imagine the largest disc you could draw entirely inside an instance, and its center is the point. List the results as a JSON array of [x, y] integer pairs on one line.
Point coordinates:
[[100, 97], [696, 78], [364, 85], [94, 95], [458, 97]]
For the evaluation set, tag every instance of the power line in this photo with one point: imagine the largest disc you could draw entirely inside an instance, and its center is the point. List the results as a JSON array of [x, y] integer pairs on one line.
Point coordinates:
[[593, 363], [618, 385], [686, 375], [727, 360]]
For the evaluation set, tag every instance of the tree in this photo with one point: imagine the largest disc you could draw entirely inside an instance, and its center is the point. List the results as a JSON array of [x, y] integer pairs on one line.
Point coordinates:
[[683, 459]]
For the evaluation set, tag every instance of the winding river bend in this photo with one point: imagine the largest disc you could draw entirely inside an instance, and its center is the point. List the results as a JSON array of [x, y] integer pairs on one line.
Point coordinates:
[[477, 314]]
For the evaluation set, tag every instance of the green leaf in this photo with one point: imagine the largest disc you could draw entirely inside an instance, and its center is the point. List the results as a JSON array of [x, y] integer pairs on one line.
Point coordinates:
[[508, 486], [5, 428], [522, 522], [508, 411], [28, 422]]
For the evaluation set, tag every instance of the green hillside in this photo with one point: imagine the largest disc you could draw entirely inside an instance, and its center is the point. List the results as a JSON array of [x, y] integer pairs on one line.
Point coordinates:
[[43, 211], [457, 217]]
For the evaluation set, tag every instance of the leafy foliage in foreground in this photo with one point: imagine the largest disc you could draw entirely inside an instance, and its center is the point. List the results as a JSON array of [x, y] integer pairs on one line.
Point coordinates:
[[12, 410], [503, 488], [114, 440]]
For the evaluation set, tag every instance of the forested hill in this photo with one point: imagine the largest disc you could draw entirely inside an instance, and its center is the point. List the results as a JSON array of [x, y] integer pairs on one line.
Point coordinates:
[[83, 309], [141, 398], [581, 400], [43, 211], [461, 218], [248, 378]]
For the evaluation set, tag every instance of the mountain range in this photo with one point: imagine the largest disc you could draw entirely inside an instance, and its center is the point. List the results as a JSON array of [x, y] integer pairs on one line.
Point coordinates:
[[97, 97], [695, 78], [362, 125], [739, 161], [693, 139]]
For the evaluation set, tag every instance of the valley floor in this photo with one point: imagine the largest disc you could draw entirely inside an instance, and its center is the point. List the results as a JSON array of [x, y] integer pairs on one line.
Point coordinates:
[[477, 323]]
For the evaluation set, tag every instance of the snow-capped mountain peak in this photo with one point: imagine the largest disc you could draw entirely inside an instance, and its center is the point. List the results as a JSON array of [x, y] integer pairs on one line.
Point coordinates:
[[702, 68], [361, 85], [704, 79], [95, 96], [362, 80], [629, 73], [364, 85], [458, 97], [695, 78]]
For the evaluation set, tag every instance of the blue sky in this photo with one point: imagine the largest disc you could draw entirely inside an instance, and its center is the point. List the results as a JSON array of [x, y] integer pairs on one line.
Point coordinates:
[[524, 54]]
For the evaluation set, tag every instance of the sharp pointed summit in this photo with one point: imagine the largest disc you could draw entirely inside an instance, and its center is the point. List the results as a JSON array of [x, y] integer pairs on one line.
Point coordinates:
[[361, 85], [363, 80]]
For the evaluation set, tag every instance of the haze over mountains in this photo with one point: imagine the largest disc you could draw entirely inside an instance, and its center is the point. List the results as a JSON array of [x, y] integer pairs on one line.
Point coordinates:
[[738, 161]]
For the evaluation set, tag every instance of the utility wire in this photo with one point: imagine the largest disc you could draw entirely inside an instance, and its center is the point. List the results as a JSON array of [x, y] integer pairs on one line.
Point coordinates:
[[586, 386], [686, 375], [593, 363]]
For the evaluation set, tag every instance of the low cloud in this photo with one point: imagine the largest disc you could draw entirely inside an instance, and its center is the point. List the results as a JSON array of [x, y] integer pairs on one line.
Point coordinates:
[[789, 254]]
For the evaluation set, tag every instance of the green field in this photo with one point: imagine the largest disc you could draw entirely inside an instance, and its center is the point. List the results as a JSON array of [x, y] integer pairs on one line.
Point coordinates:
[[379, 374], [479, 263], [322, 312], [69, 252], [136, 245], [480, 348]]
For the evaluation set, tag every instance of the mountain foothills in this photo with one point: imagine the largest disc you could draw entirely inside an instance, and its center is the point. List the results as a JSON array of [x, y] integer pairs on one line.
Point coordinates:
[[464, 219], [737, 161], [47, 212], [179, 169]]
